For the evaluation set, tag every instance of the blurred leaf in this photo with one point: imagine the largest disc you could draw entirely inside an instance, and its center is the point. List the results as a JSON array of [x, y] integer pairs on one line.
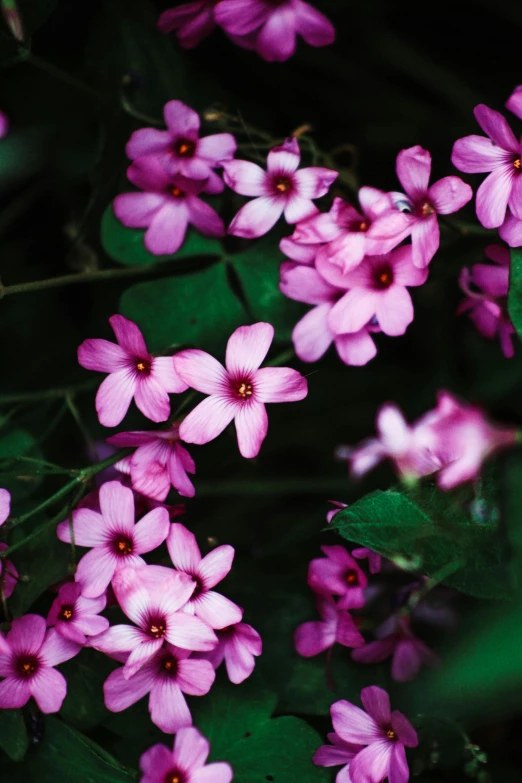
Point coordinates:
[[84, 707], [13, 734], [515, 290]]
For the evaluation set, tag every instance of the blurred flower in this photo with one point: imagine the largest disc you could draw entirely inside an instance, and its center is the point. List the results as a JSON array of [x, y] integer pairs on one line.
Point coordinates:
[[166, 207], [185, 763], [76, 617], [374, 560], [300, 252], [280, 189], [180, 150], [422, 203], [8, 574], [27, 657], [330, 514], [335, 627], [237, 392], [193, 22], [487, 287], [338, 574], [499, 154], [5, 505], [514, 102], [133, 373], [511, 230], [4, 125], [238, 645], [339, 752]]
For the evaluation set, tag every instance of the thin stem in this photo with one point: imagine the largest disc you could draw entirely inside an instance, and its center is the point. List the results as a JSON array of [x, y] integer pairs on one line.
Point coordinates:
[[46, 394], [81, 426], [52, 467]]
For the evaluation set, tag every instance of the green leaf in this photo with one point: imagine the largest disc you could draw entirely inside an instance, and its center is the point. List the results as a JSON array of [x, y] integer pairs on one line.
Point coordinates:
[[84, 707], [126, 244], [515, 290], [433, 532], [15, 443], [13, 734], [198, 309]]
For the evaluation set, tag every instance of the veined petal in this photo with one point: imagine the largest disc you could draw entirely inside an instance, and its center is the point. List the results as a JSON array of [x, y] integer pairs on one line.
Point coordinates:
[[191, 748], [449, 195], [151, 531], [120, 693], [245, 178], [101, 355], [183, 549], [376, 702], [251, 428], [216, 565], [247, 347], [413, 170], [167, 706], [48, 688], [353, 725], [181, 120], [314, 182], [190, 633], [298, 208], [311, 335], [114, 397], [279, 384], [152, 399], [496, 127], [137, 210], [195, 677], [372, 764], [353, 311], [167, 229], [205, 218], [208, 420], [355, 349], [493, 196], [477, 154], [257, 217], [201, 371], [164, 372], [216, 610], [425, 240], [394, 310], [90, 528], [117, 506]]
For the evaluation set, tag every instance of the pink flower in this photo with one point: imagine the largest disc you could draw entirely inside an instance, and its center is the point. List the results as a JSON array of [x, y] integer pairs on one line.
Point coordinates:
[[374, 559], [185, 763], [338, 507], [336, 626], [238, 392], [237, 646], [115, 539], [385, 733], [339, 752], [76, 617], [166, 207], [133, 372], [180, 150], [312, 335], [167, 675], [511, 230], [423, 203], [499, 154], [280, 189], [4, 125], [153, 602], [408, 653], [5, 505], [27, 657], [378, 288], [300, 252], [8, 574], [486, 287], [192, 22], [338, 574], [274, 26], [514, 102], [159, 462]]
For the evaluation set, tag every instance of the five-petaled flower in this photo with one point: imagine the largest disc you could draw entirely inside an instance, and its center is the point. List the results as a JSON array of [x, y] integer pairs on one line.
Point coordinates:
[[76, 617], [335, 627], [238, 646], [185, 763]]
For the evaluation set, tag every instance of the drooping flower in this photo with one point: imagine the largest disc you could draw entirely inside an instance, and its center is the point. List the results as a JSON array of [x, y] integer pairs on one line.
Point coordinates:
[[166, 207], [377, 288], [395, 638], [192, 22], [133, 373], [335, 627], [76, 617], [180, 150], [5, 505], [27, 658], [498, 154], [238, 392], [282, 188], [338, 574], [166, 676], [273, 27], [339, 752], [185, 763], [115, 539], [4, 125], [154, 605], [486, 288], [238, 645], [8, 574], [514, 102], [421, 203], [159, 462]]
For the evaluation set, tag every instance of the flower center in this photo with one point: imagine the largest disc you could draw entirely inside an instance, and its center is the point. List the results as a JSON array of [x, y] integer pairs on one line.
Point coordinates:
[[185, 148], [517, 164], [123, 545], [66, 613], [157, 627], [243, 389], [352, 577], [174, 777], [283, 184], [170, 666], [177, 192], [391, 734], [427, 209], [143, 366], [27, 665], [383, 277], [199, 587]]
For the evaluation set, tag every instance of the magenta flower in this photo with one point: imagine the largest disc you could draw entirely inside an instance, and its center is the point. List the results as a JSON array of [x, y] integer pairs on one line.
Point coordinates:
[[133, 373], [385, 733], [422, 203], [374, 559], [282, 188], [153, 602], [339, 752], [180, 150], [312, 335], [185, 763], [76, 617], [274, 26], [514, 102], [338, 574], [211, 607], [192, 22], [238, 645], [115, 539], [166, 207], [4, 125], [159, 462], [336, 626], [397, 639], [378, 288], [27, 657], [300, 252], [511, 230], [238, 392], [486, 287], [166, 676], [8, 574], [499, 154], [338, 507], [5, 505]]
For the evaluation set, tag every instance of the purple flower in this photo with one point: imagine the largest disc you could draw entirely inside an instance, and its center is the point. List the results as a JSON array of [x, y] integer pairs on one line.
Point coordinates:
[[514, 102], [159, 462], [282, 188], [300, 252], [27, 657], [166, 207], [336, 626], [339, 752], [76, 617], [180, 150], [377, 288], [238, 392], [374, 559], [422, 203], [338, 574], [5, 505], [133, 373], [192, 22], [499, 154], [237, 646], [185, 763], [4, 125], [486, 287], [115, 539], [511, 230], [8, 574]]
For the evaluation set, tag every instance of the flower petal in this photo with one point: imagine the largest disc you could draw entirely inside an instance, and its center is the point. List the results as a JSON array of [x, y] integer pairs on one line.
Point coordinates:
[[216, 565], [493, 196], [101, 355], [314, 182], [120, 693], [425, 240], [181, 120], [312, 638], [191, 748], [137, 210], [413, 170], [404, 730], [152, 399], [251, 427], [257, 217], [151, 531], [394, 310], [56, 649], [376, 702], [167, 706], [183, 549], [245, 178], [398, 771], [201, 371], [280, 384], [298, 208], [14, 693], [353, 311], [167, 229], [207, 420], [476, 154], [247, 347], [195, 677], [190, 633], [90, 528], [117, 506], [355, 349], [114, 397], [95, 571], [372, 764], [48, 688], [496, 127], [313, 26], [216, 610], [305, 284], [164, 372], [353, 725], [27, 634], [449, 195], [311, 335]]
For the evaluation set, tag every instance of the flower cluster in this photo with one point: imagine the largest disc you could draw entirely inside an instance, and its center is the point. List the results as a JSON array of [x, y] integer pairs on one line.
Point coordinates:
[[266, 26]]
